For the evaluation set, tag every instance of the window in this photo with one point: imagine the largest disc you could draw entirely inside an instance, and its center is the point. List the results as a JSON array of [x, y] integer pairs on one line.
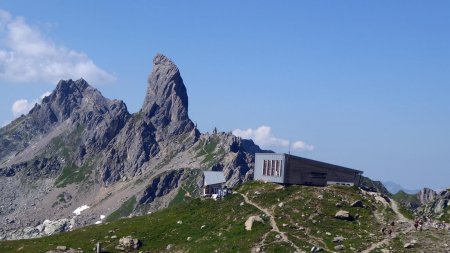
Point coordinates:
[[272, 168], [265, 168]]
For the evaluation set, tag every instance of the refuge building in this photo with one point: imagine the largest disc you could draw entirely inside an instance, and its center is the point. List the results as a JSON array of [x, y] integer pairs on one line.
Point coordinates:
[[289, 169]]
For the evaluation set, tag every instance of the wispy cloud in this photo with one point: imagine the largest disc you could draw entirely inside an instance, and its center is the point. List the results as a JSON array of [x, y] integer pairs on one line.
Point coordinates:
[[23, 106], [26, 55], [300, 145], [264, 137]]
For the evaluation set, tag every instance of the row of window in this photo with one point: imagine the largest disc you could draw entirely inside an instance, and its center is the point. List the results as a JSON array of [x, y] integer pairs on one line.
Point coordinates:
[[272, 168]]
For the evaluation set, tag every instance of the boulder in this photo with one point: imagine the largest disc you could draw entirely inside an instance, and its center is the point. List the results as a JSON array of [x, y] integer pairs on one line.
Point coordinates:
[[343, 215], [61, 248], [339, 247], [250, 220], [53, 227], [316, 249], [357, 203], [338, 239], [129, 242], [408, 246]]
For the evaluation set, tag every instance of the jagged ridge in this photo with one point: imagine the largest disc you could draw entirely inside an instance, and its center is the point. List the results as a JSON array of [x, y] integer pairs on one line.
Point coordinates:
[[91, 150]]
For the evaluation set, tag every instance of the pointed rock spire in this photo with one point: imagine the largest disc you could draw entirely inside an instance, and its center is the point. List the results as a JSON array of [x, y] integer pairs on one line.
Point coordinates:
[[166, 102]]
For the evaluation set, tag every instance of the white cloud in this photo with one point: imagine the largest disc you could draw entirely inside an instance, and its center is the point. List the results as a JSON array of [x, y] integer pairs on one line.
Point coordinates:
[[27, 55], [45, 94], [23, 106], [300, 145], [264, 138]]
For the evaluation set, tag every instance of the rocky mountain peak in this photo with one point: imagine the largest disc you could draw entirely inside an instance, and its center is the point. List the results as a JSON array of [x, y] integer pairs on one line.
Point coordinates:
[[161, 59], [69, 86], [68, 96], [166, 101]]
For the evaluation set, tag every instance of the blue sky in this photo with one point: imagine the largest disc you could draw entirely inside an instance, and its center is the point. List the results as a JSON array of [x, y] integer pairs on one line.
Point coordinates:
[[357, 83]]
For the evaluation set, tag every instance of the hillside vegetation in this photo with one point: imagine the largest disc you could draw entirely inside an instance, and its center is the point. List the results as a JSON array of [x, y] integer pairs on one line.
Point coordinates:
[[303, 215]]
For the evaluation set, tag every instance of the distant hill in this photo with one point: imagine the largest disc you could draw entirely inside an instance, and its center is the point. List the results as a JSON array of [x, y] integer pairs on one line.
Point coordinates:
[[393, 188]]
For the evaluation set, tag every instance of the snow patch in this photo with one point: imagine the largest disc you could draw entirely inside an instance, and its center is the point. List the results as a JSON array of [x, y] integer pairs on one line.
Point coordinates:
[[102, 217], [98, 222], [80, 209]]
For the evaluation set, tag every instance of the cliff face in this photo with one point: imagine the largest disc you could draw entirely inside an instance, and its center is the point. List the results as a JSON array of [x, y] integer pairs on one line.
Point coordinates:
[[426, 195], [166, 102], [79, 148], [434, 204]]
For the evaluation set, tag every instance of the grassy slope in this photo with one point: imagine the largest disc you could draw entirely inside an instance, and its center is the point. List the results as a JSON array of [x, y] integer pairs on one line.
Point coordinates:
[[223, 220], [313, 208], [224, 223], [406, 201]]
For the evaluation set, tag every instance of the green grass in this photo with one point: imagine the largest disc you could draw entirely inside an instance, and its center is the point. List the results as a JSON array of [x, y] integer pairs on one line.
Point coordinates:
[[224, 230], [309, 208], [124, 210], [404, 198], [72, 174], [210, 151], [179, 198], [406, 212], [188, 189], [313, 208], [446, 215]]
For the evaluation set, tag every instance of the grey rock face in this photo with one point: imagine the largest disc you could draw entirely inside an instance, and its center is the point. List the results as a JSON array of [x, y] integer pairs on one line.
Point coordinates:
[[436, 204], [79, 148], [48, 227], [426, 195], [129, 151], [166, 102], [440, 202], [161, 185]]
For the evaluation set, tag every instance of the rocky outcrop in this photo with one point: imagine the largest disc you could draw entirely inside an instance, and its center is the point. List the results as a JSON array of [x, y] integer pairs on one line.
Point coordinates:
[[166, 102], [375, 186], [343, 215], [129, 243], [48, 227], [129, 151], [162, 185], [437, 206], [78, 143], [426, 195]]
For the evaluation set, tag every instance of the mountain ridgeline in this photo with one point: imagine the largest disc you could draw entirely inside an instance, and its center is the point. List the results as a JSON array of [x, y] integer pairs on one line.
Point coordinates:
[[77, 148]]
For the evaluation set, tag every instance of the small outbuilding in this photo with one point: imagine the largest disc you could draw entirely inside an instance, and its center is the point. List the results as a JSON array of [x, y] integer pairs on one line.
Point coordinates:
[[290, 169], [213, 183]]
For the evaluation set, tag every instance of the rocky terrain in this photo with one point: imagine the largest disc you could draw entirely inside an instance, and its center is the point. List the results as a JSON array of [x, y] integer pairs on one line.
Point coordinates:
[[434, 205], [258, 217], [79, 158], [426, 204]]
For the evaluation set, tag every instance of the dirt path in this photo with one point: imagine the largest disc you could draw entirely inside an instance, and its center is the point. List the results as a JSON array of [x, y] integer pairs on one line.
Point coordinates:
[[273, 223], [403, 225]]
